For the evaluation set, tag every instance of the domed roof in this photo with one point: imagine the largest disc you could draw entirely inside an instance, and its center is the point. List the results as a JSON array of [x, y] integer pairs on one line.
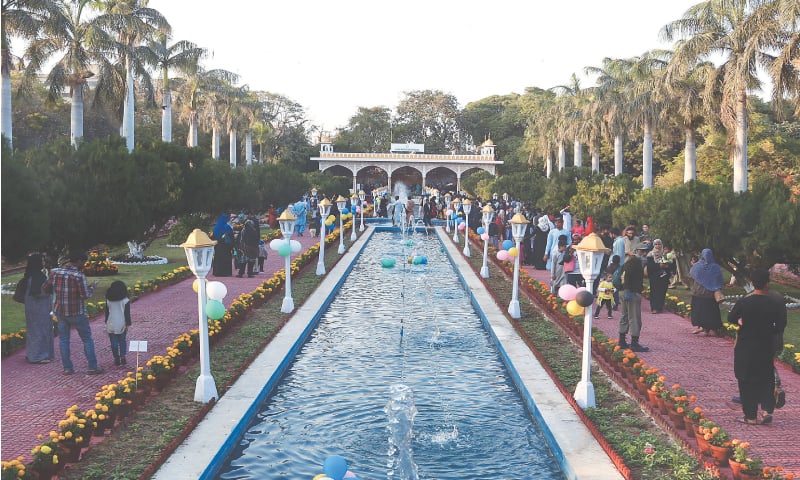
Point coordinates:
[[325, 139], [488, 143]]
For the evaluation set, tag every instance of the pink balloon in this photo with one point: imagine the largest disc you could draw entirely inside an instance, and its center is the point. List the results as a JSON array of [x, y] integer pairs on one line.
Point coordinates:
[[462, 226], [502, 255], [567, 292], [485, 237]]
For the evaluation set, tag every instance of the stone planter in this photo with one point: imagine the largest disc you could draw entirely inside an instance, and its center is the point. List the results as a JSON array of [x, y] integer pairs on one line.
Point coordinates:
[[677, 419], [702, 444], [69, 453], [739, 473], [720, 454]]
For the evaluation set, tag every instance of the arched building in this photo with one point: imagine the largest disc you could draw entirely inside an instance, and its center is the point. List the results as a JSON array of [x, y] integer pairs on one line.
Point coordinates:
[[405, 164]]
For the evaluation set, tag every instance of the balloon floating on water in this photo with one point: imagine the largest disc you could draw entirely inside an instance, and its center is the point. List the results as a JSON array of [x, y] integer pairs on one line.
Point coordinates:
[[387, 262]]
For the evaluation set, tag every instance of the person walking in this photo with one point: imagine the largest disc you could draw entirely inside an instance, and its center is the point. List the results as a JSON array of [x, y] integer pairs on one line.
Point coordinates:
[[118, 319], [630, 321], [71, 290], [223, 250], [761, 318], [658, 271], [707, 278], [248, 243], [38, 324]]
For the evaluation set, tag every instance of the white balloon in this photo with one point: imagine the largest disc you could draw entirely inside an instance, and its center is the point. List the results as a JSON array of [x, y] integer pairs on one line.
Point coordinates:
[[216, 290], [296, 246], [276, 244]]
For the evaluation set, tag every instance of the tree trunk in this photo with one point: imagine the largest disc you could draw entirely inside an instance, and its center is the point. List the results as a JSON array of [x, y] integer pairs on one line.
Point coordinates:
[[562, 157], [129, 106], [76, 115], [740, 148], [248, 148], [689, 157], [6, 129], [618, 155], [166, 117], [577, 153], [647, 157], [215, 143], [595, 158], [232, 136], [191, 138], [548, 162]]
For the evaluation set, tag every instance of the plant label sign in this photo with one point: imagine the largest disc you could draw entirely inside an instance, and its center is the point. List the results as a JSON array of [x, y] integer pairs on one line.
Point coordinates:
[[138, 346]]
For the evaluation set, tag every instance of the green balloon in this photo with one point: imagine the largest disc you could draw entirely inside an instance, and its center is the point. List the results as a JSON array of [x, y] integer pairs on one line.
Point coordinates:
[[285, 250], [214, 309]]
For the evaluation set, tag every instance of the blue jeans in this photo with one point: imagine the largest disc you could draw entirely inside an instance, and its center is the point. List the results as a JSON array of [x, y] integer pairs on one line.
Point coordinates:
[[119, 346], [81, 324]]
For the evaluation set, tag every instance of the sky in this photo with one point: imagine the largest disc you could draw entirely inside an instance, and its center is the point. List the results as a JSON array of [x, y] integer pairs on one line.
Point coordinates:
[[334, 56]]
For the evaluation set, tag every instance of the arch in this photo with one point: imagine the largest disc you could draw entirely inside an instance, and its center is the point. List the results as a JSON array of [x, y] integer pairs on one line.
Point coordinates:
[[338, 171], [410, 176]]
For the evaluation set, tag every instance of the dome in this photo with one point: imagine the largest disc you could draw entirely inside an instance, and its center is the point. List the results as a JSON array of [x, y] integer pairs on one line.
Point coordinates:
[[488, 143], [325, 139]]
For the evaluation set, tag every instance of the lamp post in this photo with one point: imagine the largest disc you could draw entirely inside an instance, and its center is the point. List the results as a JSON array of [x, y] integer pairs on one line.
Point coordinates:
[[353, 203], [488, 214], [590, 253], [361, 197], [456, 205], [340, 203], [324, 211], [286, 222], [467, 208], [505, 197], [447, 198], [199, 254], [518, 225], [494, 196]]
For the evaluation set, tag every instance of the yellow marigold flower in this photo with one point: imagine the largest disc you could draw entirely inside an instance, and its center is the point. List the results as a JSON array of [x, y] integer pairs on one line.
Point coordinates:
[[46, 450]]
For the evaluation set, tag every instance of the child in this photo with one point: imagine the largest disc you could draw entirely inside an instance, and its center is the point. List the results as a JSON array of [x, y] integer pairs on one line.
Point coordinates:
[[262, 254], [557, 275], [605, 295], [118, 319]]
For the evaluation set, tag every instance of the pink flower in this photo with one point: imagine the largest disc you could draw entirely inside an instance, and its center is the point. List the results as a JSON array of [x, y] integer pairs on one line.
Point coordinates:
[[649, 449]]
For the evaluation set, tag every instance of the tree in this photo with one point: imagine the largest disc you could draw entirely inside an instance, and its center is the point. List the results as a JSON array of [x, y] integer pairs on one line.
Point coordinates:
[[609, 102], [501, 118], [431, 117], [181, 56], [744, 33], [195, 91], [368, 131]]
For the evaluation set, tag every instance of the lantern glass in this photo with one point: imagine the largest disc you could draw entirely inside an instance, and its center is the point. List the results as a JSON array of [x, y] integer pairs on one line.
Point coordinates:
[[590, 262], [287, 227], [467, 206], [324, 208], [362, 195], [199, 259], [341, 203]]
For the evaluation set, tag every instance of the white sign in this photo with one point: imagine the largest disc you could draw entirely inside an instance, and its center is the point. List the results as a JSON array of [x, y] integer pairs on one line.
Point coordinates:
[[138, 346], [408, 148]]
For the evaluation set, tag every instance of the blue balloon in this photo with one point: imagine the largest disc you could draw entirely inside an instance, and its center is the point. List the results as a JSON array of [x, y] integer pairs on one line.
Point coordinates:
[[507, 244], [387, 262], [345, 211], [335, 466], [417, 260], [424, 260], [480, 230]]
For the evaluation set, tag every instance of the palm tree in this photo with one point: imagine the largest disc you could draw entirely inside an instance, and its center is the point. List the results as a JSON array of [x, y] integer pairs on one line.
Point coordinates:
[[609, 102], [182, 56], [21, 19], [82, 47], [195, 91], [134, 23], [745, 34], [573, 102]]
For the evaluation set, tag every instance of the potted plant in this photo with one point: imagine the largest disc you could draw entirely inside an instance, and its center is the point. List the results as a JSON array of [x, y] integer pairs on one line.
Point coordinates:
[[74, 433], [106, 407], [717, 439], [743, 466], [693, 417], [45, 459], [14, 470], [159, 370]]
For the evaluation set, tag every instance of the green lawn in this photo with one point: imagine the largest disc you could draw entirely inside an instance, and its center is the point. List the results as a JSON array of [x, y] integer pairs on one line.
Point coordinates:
[[13, 314]]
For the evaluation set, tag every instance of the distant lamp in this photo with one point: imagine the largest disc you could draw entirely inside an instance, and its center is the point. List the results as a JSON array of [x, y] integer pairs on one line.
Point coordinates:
[[340, 203], [456, 206], [353, 203], [467, 206], [487, 215], [200, 254], [324, 211], [447, 198], [518, 225], [286, 222], [361, 197]]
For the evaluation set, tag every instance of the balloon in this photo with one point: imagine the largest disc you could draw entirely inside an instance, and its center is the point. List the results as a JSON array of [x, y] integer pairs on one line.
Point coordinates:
[[335, 466], [581, 289], [485, 237], [216, 290], [285, 250], [567, 292], [423, 260], [480, 231], [462, 226], [574, 309], [387, 262], [449, 212], [275, 244], [584, 298], [417, 260], [502, 255], [328, 223], [331, 218], [196, 284], [295, 246], [507, 244], [513, 252], [214, 309], [345, 211], [409, 243]]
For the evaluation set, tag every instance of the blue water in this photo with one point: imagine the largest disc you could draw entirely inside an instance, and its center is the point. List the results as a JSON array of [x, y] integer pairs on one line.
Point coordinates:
[[413, 325]]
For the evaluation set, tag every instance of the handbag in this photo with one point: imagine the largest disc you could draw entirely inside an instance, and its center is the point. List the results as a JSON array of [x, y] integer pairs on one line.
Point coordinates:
[[19, 291], [719, 296]]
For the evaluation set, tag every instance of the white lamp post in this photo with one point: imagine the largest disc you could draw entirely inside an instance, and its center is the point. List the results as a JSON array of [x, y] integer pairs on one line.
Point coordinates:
[[488, 215], [590, 257], [340, 203], [505, 197], [447, 198], [361, 197], [518, 225], [324, 211], [353, 204], [456, 205], [199, 254], [494, 196], [286, 221], [467, 208]]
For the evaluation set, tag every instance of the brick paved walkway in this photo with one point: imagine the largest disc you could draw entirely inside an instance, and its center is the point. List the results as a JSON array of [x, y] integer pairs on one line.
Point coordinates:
[[35, 397], [704, 367]]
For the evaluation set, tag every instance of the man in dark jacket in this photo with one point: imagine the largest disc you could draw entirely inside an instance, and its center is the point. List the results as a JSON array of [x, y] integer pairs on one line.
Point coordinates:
[[631, 297], [248, 240]]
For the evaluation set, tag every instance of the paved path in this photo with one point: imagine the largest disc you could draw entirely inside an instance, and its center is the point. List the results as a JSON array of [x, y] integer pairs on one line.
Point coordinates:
[[35, 397], [704, 367]]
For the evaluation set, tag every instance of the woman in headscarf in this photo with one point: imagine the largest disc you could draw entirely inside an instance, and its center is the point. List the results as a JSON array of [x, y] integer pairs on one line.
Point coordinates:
[[540, 242], [707, 278], [658, 271], [38, 324], [223, 234], [300, 212]]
